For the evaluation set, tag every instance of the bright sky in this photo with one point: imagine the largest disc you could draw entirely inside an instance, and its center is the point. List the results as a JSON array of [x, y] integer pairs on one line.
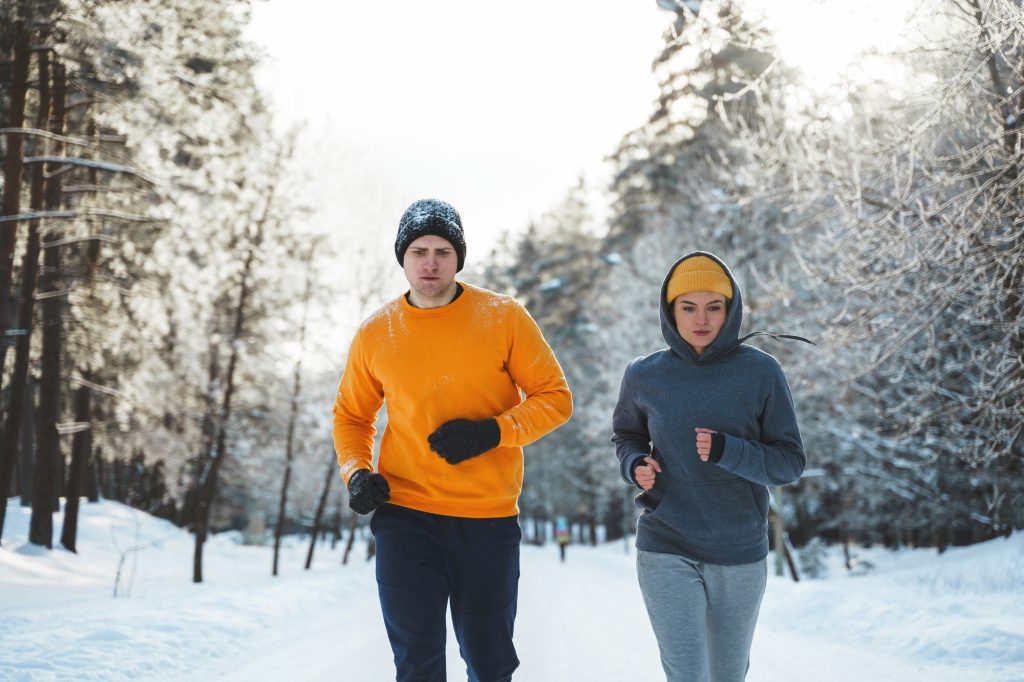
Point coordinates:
[[495, 108], [807, 36]]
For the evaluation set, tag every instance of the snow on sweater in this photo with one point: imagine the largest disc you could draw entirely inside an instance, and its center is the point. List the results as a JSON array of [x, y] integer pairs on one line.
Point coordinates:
[[468, 359]]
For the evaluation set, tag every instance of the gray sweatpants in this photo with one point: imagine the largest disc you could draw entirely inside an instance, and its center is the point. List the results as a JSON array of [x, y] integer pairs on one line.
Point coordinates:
[[703, 615]]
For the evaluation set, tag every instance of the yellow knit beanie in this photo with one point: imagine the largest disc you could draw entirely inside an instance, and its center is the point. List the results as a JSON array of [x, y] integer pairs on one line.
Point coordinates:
[[699, 273]]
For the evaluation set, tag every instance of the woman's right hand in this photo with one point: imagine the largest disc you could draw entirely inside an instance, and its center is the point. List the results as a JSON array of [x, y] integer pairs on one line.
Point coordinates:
[[645, 473]]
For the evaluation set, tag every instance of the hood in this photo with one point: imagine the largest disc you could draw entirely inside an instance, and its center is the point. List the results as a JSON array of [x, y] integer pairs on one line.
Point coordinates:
[[728, 337]]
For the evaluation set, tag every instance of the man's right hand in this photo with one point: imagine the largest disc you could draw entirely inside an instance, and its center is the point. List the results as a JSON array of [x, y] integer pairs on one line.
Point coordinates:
[[367, 491]]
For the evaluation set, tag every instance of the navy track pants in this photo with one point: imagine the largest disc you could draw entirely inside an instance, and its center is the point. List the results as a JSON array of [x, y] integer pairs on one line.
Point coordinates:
[[423, 560]]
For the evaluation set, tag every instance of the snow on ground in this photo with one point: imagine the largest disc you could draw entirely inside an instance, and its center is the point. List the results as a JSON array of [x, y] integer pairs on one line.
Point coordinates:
[[917, 615]]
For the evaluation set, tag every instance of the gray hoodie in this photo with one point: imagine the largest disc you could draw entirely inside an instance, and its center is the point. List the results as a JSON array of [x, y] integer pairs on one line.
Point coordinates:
[[713, 512]]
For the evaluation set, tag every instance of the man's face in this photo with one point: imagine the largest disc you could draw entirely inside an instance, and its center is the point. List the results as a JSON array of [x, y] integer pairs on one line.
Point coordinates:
[[430, 264]]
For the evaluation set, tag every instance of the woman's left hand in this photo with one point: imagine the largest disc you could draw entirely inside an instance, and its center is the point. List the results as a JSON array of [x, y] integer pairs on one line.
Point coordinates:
[[704, 443]]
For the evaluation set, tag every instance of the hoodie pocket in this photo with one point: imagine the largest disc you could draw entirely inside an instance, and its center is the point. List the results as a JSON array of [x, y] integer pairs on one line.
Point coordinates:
[[648, 500], [719, 512]]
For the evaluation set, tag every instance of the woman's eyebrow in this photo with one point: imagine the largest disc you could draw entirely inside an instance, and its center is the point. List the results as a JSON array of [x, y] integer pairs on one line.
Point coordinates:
[[717, 300]]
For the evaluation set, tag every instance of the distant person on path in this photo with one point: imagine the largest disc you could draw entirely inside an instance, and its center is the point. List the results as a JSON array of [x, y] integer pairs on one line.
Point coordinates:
[[450, 360], [703, 427], [562, 536]]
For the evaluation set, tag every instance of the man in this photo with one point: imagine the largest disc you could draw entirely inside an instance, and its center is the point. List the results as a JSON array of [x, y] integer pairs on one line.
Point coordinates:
[[450, 360]]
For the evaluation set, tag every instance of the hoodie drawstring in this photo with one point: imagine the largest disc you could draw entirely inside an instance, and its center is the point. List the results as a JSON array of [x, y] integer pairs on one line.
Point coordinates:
[[777, 337]]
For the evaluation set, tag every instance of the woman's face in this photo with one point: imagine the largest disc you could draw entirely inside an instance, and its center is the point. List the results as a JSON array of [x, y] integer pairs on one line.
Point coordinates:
[[699, 316]]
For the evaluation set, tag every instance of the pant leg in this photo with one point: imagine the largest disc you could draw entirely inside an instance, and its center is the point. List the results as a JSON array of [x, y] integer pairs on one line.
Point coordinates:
[[484, 559], [413, 586], [734, 600], [673, 590]]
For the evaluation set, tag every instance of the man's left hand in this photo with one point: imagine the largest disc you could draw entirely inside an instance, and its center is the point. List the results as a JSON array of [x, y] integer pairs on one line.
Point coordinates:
[[460, 439]]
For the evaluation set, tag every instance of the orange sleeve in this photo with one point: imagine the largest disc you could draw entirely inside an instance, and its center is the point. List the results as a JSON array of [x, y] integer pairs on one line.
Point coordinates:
[[356, 406], [534, 369]]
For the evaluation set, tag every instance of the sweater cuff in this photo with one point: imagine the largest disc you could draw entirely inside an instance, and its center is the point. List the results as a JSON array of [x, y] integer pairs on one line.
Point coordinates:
[[629, 467], [717, 447], [351, 466]]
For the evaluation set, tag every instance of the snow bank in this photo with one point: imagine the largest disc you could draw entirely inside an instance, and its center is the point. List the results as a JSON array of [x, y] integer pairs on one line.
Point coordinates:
[[916, 615]]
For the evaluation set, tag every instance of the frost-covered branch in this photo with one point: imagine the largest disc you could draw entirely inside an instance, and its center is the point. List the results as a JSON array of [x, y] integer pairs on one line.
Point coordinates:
[[90, 163], [86, 214]]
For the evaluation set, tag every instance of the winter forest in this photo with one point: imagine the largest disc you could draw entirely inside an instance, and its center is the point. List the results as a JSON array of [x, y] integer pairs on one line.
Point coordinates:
[[165, 275]]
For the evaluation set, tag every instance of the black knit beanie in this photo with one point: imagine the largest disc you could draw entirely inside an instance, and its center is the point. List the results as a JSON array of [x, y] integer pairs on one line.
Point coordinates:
[[430, 216]]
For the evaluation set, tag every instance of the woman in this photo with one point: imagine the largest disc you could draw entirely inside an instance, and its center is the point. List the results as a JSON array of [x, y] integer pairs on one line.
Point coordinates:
[[703, 427]]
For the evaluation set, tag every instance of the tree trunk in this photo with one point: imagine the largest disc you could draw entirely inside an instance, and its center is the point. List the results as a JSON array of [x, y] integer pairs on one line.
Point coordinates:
[[289, 452], [29, 273], [208, 479], [283, 503], [102, 473], [208, 428], [336, 521], [80, 448], [92, 479], [351, 538], [207, 485], [321, 505], [48, 458], [595, 504], [614, 526], [788, 550], [28, 444], [13, 165], [779, 533], [1014, 282], [11, 205]]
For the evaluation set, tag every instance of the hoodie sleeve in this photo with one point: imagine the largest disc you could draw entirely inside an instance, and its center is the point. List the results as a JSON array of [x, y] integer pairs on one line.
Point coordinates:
[[777, 458], [629, 426]]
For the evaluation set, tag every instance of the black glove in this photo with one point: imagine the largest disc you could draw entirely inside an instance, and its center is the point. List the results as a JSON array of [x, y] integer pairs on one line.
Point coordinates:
[[459, 439], [366, 491]]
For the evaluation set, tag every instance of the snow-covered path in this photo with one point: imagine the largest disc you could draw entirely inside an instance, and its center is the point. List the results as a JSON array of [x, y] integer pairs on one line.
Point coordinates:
[[917, 616], [569, 614]]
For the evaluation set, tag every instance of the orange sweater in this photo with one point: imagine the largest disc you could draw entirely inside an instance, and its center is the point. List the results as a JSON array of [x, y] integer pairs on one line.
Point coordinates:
[[468, 359]]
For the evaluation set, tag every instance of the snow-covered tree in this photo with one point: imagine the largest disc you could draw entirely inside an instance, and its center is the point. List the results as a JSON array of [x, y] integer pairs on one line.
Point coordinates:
[[905, 197]]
